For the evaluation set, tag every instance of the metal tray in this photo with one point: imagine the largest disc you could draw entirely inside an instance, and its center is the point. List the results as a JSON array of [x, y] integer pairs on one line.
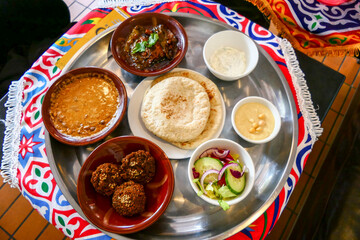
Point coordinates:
[[188, 216]]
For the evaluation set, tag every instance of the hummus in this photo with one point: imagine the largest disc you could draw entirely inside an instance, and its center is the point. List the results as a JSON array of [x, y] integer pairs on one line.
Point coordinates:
[[254, 121]]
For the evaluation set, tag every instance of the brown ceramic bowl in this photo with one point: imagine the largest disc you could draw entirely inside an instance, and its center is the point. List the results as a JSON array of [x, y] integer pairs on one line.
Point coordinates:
[[98, 209], [122, 32], [84, 140]]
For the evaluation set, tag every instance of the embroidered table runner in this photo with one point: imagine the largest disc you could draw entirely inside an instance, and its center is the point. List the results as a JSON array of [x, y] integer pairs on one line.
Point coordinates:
[[25, 164], [315, 28]]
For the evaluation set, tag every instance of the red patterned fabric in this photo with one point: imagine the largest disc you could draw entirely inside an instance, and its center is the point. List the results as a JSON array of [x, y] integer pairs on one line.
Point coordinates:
[[35, 178], [315, 28]]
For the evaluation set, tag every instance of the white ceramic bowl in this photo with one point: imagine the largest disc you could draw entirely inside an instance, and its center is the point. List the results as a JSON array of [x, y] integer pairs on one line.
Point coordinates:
[[268, 104], [234, 39], [234, 148]]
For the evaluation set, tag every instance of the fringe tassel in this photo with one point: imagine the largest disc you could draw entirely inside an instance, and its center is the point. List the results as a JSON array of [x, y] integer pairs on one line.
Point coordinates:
[[12, 134], [340, 51], [303, 95], [128, 3]]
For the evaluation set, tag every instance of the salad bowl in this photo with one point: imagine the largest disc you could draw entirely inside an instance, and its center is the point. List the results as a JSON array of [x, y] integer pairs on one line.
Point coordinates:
[[221, 172]]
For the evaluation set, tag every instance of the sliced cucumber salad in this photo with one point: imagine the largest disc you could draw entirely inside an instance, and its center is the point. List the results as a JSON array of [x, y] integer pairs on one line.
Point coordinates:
[[219, 175], [236, 184], [207, 163]]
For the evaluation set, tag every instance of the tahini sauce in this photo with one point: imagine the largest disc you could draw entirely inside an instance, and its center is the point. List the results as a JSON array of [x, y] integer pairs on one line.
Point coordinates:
[[254, 121], [228, 61]]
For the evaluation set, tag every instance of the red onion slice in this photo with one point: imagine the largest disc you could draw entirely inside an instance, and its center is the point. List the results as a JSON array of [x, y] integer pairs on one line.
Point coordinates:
[[146, 214], [205, 175], [207, 152], [222, 170], [154, 185], [227, 160], [221, 153]]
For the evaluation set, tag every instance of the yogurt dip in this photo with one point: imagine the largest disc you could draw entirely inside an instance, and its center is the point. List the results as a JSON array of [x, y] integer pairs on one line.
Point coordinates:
[[228, 61]]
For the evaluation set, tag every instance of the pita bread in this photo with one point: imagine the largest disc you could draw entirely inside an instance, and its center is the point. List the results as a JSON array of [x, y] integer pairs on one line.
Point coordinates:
[[176, 109], [216, 107]]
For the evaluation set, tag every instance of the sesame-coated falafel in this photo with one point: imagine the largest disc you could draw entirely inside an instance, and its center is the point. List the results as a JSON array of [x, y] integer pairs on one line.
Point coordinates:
[[106, 178], [138, 166], [129, 199]]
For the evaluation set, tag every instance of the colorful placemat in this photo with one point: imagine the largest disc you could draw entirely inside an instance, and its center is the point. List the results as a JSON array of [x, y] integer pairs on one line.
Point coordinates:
[[25, 164], [315, 28]]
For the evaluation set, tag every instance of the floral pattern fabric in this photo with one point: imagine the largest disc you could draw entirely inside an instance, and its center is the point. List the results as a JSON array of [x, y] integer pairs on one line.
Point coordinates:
[[34, 175], [315, 28]]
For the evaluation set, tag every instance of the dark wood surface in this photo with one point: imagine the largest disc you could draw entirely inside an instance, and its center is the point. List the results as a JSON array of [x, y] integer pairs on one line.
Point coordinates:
[[332, 207]]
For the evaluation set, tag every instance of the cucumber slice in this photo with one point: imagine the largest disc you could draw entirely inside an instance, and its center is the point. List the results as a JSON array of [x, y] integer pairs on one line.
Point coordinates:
[[236, 185], [206, 163]]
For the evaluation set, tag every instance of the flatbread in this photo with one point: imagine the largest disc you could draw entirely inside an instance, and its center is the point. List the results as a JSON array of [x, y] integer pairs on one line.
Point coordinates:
[[176, 109], [216, 107]]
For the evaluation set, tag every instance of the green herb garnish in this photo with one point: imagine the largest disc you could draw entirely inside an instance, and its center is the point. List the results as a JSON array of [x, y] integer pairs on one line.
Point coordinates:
[[224, 204], [153, 39], [141, 46]]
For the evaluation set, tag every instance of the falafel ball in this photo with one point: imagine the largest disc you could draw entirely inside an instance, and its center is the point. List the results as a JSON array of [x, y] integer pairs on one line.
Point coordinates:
[[106, 178], [138, 166], [129, 199]]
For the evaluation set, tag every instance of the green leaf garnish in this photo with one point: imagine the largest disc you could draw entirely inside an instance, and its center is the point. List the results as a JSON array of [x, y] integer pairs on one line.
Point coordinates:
[[210, 191], [224, 205], [141, 46], [153, 39]]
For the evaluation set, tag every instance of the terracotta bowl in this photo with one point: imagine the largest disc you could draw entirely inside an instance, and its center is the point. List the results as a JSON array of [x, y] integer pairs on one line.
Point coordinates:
[[148, 19], [98, 209], [79, 141]]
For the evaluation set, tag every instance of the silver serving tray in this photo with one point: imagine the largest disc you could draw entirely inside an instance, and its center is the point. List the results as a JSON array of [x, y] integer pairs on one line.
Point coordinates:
[[188, 216]]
